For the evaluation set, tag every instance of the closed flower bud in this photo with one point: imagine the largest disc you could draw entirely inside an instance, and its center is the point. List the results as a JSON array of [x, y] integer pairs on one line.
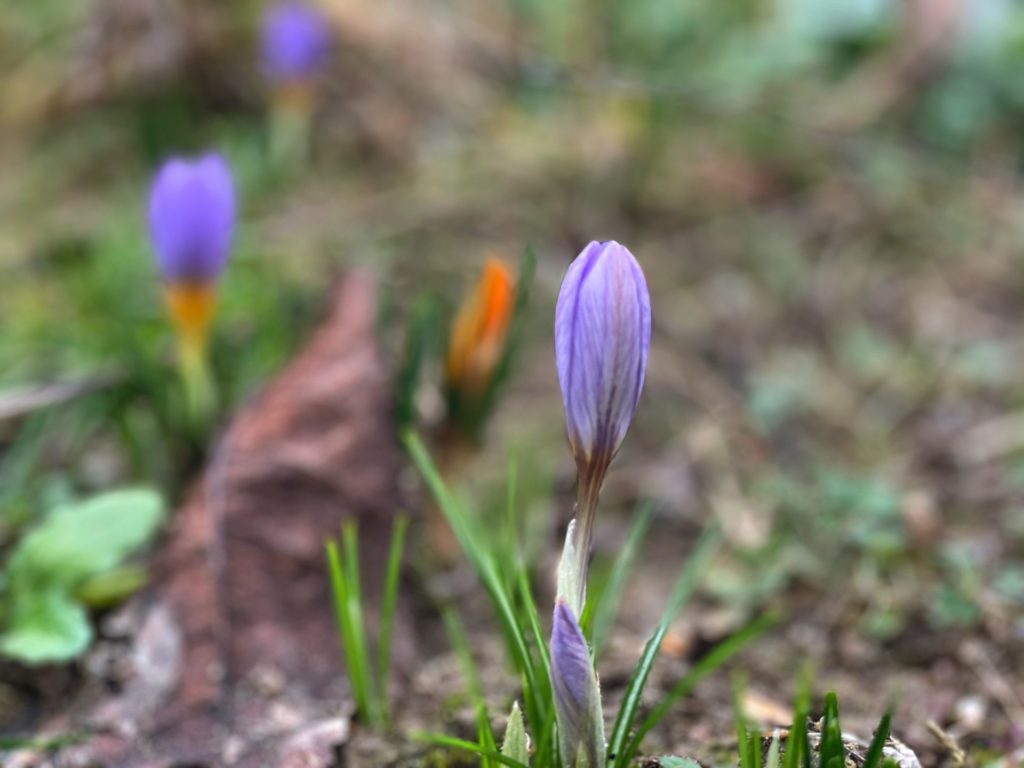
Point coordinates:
[[192, 219], [602, 335], [295, 42], [191, 223], [577, 694], [478, 334]]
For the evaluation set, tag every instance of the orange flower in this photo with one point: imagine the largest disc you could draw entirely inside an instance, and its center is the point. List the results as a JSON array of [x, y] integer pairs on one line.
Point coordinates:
[[478, 335]]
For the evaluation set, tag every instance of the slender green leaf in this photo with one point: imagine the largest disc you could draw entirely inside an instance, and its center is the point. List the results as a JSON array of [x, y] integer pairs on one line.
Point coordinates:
[[754, 747], [354, 665], [684, 587], [387, 611], [421, 340], [796, 741], [742, 740], [831, 732], [546, 753], [874, 756], [468, 746], [536, 693], [354, 606], [533, 619], [711, 661]]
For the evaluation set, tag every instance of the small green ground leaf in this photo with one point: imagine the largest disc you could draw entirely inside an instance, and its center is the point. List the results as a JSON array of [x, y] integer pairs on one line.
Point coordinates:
[[677, 762], [47, 627], [73, 544], [84, 539]]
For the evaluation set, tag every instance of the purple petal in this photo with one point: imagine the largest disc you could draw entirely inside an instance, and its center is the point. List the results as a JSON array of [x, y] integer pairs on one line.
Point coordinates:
[[577, 698], [192, 218], [602, 337], [571, 667], [295, 41]]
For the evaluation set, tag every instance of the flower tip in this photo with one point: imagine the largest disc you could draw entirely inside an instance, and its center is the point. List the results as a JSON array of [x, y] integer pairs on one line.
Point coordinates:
[[480, 329], [295, 41], [191, 217], [602, 338]]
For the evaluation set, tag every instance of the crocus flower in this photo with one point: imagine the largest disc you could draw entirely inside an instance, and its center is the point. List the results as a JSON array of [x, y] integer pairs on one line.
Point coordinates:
[[295, 42], [191, 222], [602, 336], [577, 694], [478, 335], [192, 219]]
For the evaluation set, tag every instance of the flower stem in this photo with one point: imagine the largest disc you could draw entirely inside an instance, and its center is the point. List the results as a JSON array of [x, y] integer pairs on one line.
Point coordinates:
[[588, 488], [198, 383]]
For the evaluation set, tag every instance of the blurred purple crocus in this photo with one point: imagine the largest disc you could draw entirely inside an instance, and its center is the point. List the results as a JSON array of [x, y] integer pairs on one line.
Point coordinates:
[[296, 39], [577, 693], [192, 218]]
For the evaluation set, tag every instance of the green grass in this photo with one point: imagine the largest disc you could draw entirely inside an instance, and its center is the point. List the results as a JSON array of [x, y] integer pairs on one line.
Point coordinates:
[[526, 641], [368, 677]]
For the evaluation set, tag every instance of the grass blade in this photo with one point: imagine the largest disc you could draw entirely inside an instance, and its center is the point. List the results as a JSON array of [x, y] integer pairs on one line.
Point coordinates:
[[796, 740], [608, 603], [387, 611], [742, 737], [543, 672], [831, 746], [711, 661], [346, 631], [468, 746], [533, 619], [537, 692], [873, 759], [354, 606], [684, 587], [754, 748]]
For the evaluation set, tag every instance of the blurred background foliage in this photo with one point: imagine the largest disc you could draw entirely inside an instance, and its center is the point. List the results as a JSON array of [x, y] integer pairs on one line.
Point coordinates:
[[825, 194]]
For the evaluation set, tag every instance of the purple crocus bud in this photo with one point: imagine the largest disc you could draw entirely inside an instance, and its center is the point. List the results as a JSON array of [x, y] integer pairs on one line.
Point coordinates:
[[192, 218], [577, 694], [602, 335], [295, 41]]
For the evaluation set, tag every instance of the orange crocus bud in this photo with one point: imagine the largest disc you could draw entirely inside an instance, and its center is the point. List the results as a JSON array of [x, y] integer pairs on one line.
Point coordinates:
[[478, 335]]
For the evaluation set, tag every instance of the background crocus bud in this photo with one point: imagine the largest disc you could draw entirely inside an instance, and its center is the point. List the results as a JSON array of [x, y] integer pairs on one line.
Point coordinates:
[[577, 695], [602, 335], [478, 334], [192, 219], [191, 222], [295, 42]]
